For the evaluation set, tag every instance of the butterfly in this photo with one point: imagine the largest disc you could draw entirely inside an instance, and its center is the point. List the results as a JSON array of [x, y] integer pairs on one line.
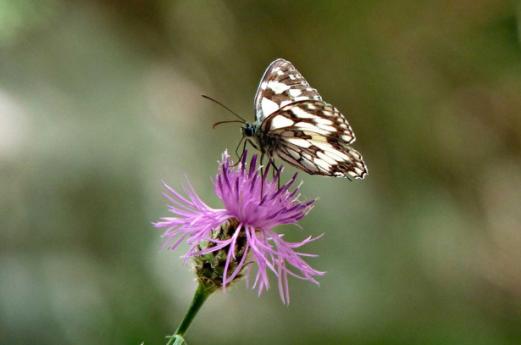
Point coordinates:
[[293, 123]]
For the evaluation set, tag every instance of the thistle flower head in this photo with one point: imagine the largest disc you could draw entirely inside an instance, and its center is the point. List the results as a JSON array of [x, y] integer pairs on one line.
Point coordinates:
[[223, 242], [256, 200]]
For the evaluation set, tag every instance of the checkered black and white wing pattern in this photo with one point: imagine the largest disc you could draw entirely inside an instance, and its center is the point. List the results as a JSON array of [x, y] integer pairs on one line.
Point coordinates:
[[281, 85], [314, 136]]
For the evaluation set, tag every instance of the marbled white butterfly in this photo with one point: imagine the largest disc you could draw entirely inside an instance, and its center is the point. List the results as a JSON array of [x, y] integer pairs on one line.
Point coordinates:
[[296, 125]]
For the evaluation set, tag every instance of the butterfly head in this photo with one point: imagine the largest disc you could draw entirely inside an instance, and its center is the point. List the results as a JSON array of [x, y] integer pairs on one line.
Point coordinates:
[[249, 129]]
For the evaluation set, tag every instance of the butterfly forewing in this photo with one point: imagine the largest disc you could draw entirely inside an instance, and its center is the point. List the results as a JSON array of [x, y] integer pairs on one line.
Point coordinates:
[[320, 158], [281, 85]]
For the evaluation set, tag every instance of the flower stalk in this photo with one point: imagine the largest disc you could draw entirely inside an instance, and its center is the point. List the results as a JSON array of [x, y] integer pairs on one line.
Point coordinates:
[[201, 294]]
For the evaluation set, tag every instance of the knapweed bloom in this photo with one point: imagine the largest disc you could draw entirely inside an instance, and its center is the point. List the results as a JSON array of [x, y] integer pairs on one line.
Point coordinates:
[[225, 243]]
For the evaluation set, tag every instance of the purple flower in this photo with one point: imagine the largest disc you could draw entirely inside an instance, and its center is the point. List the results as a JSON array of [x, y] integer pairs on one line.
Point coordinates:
[[254, 205]]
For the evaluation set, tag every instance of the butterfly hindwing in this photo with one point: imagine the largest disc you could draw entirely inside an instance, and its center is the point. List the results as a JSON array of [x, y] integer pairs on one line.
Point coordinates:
[[281, 84], [314, 136], [323, 158]]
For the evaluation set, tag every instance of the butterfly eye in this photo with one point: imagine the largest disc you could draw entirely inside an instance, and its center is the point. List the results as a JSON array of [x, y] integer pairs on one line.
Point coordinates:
[[248, 131]]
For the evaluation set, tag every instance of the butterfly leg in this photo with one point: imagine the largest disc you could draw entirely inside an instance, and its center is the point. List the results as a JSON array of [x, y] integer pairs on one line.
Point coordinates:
[[276, 171], [246, 142], [262, 172], [239, 157], [252, 144], [243, 148]]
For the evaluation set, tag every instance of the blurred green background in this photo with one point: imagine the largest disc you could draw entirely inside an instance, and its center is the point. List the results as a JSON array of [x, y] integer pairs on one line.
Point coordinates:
[[100, 101]]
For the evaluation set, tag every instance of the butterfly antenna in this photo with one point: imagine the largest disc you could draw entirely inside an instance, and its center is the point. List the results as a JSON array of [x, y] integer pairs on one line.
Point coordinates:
[[221, 122], [225, 107]]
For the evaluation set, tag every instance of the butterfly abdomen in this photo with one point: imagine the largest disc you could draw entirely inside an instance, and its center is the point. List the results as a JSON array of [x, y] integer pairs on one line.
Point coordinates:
[[268, 143]]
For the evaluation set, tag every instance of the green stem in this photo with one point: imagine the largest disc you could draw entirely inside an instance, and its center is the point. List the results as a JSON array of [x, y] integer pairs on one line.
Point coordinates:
[[201, 294]]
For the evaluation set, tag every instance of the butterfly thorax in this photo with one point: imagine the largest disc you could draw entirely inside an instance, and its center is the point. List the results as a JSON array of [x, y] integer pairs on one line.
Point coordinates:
[[265, 142]]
